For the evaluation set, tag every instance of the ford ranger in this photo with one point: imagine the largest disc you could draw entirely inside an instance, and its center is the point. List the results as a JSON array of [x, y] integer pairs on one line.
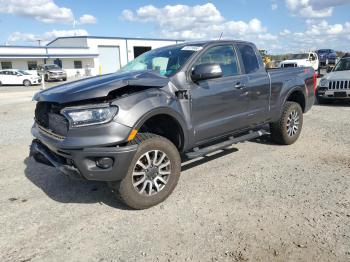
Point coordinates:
[[133, 128]]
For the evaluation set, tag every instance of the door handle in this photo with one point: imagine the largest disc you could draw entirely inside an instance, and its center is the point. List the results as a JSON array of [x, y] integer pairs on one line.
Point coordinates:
[[240, 85]]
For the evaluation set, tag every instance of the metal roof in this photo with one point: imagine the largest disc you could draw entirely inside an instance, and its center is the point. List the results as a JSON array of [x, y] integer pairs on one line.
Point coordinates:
[[112, 37]]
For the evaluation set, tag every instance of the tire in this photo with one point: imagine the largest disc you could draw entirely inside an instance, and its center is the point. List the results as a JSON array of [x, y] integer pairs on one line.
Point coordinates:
[[288, 128], [27, 83], [64, 79], [0, 83], [321, 100], [46, 78], [142, 188]]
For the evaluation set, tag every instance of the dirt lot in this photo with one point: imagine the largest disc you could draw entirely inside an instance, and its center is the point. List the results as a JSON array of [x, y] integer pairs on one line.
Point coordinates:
[[255, 202]]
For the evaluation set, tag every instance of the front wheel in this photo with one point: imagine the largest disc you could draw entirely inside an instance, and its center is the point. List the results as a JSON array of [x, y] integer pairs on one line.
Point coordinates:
[[153, 173], [26, 83], [288, 128]]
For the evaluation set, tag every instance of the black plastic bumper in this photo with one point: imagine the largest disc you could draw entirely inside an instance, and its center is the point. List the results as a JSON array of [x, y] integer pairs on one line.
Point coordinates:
[[81, 164]]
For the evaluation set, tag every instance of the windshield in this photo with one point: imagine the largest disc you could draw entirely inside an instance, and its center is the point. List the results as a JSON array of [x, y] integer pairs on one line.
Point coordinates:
[[343, 65], [299, 56], [166, 61], [322, 51], [23, 72], [50, 67]]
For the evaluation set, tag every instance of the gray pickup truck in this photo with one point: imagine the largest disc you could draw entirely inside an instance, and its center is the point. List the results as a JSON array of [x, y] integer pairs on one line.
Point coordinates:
[[133, 128]]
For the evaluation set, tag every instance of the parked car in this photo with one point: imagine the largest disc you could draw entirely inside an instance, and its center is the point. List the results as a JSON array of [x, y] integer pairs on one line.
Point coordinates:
[[132, 128], [18, 77], [52, 72], [336, 84], [309, 59], [326, 57]]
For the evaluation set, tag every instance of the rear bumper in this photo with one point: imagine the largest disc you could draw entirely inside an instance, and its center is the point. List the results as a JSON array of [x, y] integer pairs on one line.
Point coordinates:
[[81, 164], [57, 77]]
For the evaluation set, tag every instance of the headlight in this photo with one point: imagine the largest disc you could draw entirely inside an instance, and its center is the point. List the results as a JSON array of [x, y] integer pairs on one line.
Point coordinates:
[[86, 116], [323, 82]]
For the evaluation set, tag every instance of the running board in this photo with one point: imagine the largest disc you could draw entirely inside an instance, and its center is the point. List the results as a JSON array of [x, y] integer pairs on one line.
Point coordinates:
[[232, 140]]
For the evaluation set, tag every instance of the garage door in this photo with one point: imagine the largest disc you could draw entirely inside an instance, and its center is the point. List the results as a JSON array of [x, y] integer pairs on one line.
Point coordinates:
[[109, 58]]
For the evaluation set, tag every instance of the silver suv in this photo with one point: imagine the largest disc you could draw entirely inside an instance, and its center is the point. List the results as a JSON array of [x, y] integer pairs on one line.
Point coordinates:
[[52, 72]]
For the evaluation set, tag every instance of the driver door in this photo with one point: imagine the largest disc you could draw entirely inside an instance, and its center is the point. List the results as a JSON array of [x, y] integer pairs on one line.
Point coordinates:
[[219, 105]]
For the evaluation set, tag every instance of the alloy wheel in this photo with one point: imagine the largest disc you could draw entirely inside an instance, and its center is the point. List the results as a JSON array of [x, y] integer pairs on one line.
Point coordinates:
[[151, 172]]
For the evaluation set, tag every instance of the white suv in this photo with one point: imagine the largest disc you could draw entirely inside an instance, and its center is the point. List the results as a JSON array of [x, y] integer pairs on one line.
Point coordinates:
[[18, 77], [336, 84]]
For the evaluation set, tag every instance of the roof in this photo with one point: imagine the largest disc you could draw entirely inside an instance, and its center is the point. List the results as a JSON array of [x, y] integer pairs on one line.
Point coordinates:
[[112, 37]]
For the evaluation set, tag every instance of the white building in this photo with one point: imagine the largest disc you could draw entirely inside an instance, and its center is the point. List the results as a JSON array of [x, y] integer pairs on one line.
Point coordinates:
[[80, 55]]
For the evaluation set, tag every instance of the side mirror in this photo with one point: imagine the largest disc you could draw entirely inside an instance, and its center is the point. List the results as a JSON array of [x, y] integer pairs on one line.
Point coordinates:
[[329, 69], [206, 71]]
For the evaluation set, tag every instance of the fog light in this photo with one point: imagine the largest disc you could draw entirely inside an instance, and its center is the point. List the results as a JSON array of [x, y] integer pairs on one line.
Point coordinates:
[[104, 162]]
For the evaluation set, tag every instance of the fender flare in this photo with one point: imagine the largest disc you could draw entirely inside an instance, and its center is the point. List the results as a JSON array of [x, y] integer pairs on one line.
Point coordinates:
[[165, 111]]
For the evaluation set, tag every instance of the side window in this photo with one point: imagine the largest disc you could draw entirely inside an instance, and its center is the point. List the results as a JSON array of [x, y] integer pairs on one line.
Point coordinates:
[[78, 64], [32, 65], [250, 61], [224, 56], [6, 65]]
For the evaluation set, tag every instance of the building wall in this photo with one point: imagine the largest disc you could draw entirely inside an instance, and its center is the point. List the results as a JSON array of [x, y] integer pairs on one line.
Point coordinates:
[[22, 63], [126, 47], [68, 66], [84, 47]]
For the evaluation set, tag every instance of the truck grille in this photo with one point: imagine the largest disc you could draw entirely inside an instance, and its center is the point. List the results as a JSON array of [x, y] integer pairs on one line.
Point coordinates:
[[335, 85], [48, 116], [290, 65]]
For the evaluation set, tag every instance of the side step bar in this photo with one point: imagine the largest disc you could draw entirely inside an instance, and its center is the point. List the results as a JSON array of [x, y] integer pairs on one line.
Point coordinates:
[[232, 140]]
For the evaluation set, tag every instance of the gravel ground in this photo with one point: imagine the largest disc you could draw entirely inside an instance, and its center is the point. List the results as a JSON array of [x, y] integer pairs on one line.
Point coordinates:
[[254, 202]]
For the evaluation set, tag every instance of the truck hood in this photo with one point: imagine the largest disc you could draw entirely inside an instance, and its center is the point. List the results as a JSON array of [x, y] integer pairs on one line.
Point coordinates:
[[338, 75], [100, 86]]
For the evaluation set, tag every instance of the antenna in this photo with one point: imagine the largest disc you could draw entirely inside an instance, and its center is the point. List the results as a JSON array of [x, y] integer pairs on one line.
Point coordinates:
[[221, 35], [74, 24]]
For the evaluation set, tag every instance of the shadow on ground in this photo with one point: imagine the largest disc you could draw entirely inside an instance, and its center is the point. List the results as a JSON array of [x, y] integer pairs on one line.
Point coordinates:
[[64, 190]]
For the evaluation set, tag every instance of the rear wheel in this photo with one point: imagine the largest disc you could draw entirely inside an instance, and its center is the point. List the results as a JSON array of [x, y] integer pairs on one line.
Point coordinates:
[[64, 79], [288, 128], [26, 83], [153, 173]]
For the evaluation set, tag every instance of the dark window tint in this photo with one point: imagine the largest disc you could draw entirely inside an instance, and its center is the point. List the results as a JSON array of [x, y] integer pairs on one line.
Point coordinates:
[[250, 61], [78, 64], [224, 56], [32, 65], [6, 65]]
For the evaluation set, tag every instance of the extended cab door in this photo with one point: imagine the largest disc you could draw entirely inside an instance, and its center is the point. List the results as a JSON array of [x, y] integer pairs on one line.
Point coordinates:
[[219, 105], [257, 86]]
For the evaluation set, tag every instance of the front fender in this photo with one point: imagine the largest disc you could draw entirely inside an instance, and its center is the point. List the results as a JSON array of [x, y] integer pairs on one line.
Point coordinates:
[[134, 110]]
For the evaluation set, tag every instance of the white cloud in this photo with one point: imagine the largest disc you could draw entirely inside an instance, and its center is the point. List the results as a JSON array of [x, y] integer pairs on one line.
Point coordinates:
[[314, 8], [318, 34], [194, 22], [45, 37], [206, 22], [274, 6], [46, 11], [87, 19]]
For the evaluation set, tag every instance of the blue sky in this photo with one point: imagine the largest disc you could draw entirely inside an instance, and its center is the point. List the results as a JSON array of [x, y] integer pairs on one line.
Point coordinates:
[[276, 25]]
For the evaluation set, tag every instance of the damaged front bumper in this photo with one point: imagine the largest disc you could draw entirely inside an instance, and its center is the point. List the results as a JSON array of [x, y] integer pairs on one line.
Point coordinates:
[[84, 163], [86, 158]]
